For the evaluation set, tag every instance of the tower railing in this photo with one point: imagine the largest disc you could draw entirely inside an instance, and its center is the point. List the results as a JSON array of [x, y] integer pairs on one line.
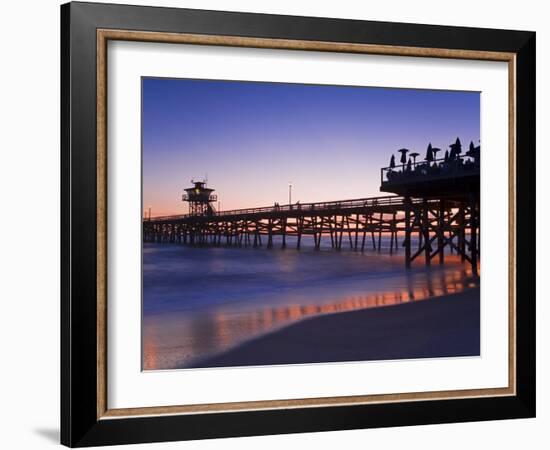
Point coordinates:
[[211, 197]]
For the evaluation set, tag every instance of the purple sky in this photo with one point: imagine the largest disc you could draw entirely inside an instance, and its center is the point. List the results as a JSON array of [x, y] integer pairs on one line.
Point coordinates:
[[253, 138]]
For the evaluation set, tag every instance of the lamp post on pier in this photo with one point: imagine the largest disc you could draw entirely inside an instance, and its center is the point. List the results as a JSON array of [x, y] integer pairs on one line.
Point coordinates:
[[290, 192]]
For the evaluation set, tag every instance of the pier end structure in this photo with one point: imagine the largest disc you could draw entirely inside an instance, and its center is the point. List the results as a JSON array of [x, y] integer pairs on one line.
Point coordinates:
[[441, 199]]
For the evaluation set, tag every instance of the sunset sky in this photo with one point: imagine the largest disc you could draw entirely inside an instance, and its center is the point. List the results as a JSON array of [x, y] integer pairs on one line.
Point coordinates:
[[252, 138]]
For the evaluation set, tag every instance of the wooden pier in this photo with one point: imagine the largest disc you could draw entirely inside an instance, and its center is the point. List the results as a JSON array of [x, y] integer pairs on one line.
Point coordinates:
[[436, 211]]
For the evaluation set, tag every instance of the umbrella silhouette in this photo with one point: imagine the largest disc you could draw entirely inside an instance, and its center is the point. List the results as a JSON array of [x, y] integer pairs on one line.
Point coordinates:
[[429, 153], [456, 148], [414, 155], [435, 150], [403, 152]]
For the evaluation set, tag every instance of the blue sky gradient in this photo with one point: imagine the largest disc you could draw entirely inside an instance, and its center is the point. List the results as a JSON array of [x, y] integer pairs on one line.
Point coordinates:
[[252, 138]]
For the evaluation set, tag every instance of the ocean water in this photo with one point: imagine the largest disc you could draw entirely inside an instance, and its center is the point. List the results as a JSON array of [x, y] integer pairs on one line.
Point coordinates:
[[202, 301]]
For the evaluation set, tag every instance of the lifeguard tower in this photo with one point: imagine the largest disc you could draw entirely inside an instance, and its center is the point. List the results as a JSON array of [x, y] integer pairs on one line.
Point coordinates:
[[200, 199]]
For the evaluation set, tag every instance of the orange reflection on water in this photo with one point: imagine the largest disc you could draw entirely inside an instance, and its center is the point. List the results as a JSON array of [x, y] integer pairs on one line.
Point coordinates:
[[149, 350], [179, 339]]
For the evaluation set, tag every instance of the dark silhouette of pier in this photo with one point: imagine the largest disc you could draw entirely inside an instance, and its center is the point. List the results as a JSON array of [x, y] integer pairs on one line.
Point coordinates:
[[435, 200]]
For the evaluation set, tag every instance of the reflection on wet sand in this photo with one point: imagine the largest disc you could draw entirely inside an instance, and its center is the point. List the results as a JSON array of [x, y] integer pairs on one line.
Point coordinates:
[[177, 339]]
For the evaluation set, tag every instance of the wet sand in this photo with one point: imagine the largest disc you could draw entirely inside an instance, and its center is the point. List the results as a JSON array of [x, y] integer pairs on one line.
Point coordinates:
[[438, 327]]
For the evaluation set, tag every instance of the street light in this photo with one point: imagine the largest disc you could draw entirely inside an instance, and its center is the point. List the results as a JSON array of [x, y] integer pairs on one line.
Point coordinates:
[[149, 213], [290, 192]]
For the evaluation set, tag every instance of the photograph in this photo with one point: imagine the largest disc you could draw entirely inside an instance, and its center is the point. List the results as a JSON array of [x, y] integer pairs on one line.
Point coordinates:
[[275, 220], [287, 223]]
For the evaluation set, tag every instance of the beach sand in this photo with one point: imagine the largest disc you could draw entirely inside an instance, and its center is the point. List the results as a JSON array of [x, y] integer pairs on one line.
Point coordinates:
[[442, 326]]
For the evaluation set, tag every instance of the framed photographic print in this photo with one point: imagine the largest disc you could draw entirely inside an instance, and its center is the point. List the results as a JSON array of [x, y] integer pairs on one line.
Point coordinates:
[[277, 224]]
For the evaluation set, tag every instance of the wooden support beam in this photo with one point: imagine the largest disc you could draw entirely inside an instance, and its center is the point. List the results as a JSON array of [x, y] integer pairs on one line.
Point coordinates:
[[349, 232], [356, 230], [341, 234], [426, 229], [314, 231], [407, 242], [270, 234], [392, 233], [380, 231], [364, 233], [283, 225], [462, 234], [372, 231], [320, 234], [300, 231], [440, 231], [473, 233]]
